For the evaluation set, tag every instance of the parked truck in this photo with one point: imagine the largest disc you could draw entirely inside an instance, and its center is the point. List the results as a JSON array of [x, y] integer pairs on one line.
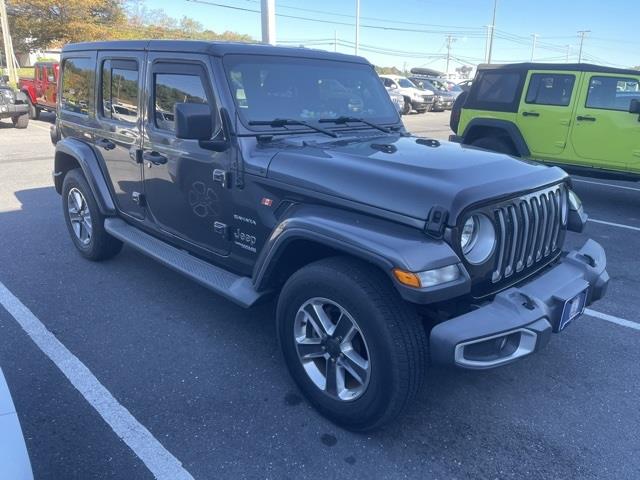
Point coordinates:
[[41, 90]]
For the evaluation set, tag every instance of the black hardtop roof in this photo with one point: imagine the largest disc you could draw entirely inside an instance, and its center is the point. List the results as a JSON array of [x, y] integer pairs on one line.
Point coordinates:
[[217, 49], [567, 67]]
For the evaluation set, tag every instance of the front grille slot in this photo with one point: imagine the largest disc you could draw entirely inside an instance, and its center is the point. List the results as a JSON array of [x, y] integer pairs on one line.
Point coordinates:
[[527, 230]]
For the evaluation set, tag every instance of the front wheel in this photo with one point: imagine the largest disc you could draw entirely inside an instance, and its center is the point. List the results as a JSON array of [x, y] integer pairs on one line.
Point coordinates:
[[356, 350], [406, 108], [34, 112], [84, 220]]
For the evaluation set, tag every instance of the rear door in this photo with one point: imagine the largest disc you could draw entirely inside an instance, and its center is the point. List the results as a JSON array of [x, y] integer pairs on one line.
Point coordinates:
[[184, 183], [118, 138], [605, 134], [544, 115]]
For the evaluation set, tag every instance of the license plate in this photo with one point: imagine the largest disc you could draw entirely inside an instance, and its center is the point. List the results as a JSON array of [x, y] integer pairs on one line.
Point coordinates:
[[573, 309]]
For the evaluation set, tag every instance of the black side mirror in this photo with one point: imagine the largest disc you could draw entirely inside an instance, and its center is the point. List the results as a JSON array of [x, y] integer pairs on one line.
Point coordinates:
[[634, 106], [194, 121]]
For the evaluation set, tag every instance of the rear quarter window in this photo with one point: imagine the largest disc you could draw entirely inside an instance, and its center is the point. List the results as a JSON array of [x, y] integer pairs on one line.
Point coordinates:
[[496, 90], [77, 85]]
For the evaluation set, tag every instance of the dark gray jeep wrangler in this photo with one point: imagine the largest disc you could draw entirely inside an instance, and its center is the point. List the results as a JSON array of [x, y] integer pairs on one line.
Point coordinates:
[[259, 171], [13, 104]]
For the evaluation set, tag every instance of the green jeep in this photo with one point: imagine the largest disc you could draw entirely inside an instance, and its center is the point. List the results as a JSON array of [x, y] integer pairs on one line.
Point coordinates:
[[584, 118]]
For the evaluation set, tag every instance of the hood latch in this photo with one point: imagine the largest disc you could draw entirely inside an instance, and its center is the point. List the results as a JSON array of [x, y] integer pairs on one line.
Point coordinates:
[[436, 221]]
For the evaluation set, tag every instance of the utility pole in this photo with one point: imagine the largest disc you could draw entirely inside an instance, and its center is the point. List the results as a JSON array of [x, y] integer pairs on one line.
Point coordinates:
[[335, 40], [492, 31], [568, 53], [582, 34], [357, 25], [9, 56], [533, 45], [268, 14], [450, 39]]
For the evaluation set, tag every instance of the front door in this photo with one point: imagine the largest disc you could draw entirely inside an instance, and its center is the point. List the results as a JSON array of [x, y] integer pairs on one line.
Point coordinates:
[[544, 115], [185, 187], [118, 138], [605, 133]]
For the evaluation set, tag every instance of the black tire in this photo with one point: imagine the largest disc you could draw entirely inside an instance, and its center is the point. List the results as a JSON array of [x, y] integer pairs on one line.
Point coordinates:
[[34, 112], [456, 111], [495, 144], [395, 337], [21, 121], [100, 245], [406, 109]]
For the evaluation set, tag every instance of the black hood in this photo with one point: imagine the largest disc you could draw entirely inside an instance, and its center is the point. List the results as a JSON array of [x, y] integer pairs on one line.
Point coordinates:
[[408, 175]]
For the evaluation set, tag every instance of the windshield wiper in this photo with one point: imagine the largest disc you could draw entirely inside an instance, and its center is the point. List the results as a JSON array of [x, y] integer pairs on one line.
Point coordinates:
[[344, 120], [283, 122]]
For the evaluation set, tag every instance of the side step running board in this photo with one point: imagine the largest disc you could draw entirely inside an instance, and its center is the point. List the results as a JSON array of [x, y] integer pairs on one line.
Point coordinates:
[[231, 286]]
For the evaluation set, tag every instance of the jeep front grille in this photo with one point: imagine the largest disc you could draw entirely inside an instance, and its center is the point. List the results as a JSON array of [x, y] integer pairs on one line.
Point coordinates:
[[528, 230]]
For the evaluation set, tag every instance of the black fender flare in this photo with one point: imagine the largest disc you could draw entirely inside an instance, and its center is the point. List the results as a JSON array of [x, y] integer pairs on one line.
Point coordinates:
[[509, 128], [382, 243], [85, 157]]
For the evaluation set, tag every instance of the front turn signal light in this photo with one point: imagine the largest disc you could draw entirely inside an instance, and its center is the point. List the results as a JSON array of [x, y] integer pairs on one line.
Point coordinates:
[[428, 278]]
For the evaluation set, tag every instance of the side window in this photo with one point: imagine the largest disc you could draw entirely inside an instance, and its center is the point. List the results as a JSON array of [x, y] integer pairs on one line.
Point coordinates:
[[612, 93], [172, 88], [76, 85], [50, 75], [119, 90], [498, 87], [550, 89]]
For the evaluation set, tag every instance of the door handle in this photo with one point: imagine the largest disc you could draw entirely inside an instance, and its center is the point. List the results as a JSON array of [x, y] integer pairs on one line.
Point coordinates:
[[106, 144], [154, 157], [530, 114], [585, 118]]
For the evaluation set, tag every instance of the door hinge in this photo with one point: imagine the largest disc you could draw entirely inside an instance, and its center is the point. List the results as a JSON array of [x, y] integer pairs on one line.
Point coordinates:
[[436, 221], [221, 229], [139, 199], [222, 177], [136, 155]]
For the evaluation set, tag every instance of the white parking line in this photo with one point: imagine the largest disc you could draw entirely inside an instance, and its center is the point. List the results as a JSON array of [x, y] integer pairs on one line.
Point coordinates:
[[162, 464], [610, 318], [622, 187], [612, 224]]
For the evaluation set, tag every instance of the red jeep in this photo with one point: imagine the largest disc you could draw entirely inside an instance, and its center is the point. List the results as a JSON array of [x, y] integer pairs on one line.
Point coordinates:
[[42, 89]]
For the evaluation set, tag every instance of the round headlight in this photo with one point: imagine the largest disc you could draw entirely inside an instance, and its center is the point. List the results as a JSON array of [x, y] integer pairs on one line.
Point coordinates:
[[468, 235], [478, 239]]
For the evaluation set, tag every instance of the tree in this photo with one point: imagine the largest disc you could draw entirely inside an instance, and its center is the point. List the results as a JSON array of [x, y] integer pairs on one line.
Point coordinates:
[[42, 24], [637, 67]]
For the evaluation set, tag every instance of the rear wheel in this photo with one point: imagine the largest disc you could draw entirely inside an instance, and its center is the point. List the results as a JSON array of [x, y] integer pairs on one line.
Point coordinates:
[[21, 121], [84, 220], [495, 144], [356, 350]]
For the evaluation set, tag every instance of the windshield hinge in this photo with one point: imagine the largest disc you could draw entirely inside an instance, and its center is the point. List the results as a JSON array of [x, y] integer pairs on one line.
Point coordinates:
[[436, 221]]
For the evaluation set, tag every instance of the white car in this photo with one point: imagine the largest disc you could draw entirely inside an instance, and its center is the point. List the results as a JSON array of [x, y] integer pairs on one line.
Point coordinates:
[[414, 98], [14, 459], [397, 99]]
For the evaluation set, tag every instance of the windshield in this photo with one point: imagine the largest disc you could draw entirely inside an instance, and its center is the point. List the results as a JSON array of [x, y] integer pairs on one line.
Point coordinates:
[[266, 88], [406, 83]]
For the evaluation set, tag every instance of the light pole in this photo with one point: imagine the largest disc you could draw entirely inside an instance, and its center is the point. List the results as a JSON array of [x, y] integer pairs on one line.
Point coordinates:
[[582, 33], [357, 26], [268, 14], [533, 45], [492, 31]]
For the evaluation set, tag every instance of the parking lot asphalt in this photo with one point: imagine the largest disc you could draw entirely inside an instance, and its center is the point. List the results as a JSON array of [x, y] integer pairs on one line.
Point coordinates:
[[206, 377]]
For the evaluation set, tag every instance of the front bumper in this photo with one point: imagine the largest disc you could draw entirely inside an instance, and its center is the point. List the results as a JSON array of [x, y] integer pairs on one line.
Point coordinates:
[[13, 109], [519, 321], [443, 104]]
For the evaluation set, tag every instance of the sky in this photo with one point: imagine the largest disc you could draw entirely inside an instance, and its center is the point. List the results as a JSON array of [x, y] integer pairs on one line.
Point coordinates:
[[415, 31]]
